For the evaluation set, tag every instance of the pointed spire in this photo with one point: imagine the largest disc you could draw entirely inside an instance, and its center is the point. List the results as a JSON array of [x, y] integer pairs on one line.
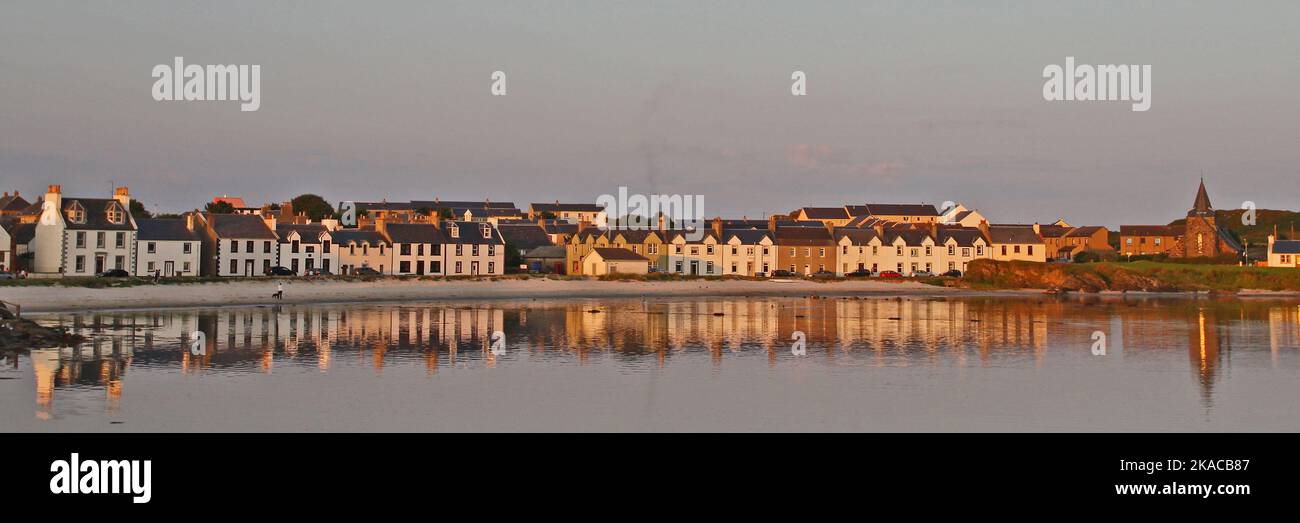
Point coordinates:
[[1202, 205]]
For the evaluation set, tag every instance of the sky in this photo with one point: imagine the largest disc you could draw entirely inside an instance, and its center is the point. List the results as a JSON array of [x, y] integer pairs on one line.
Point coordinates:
[[907, 102]]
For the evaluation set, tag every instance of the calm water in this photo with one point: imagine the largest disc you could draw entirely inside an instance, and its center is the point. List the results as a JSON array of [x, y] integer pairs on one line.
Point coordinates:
[[969, 364]]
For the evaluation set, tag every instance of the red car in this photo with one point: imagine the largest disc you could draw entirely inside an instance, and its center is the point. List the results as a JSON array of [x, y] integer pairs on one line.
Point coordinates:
[[890, 274]]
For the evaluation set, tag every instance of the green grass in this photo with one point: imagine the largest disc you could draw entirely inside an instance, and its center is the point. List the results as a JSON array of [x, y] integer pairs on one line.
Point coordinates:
[[1130, 276]]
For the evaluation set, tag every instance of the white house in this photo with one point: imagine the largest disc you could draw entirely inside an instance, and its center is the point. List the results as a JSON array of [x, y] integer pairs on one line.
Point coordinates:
[[417, 247], [7, 256], [473, 248], [748, 252], [237, 245], [1283, 253], [168, 247], [610, 260], [701, 257], [960, 215], [84, 236], [304, 247]]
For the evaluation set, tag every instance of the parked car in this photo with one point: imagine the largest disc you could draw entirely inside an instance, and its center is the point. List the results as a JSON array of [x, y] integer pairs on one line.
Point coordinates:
[[6, 276], [890, 274], [782, 274], [823, 274], [860, 273], [319, 272], [365, 271], [922, 274], [953, 273], [280, 271], [115, 273]]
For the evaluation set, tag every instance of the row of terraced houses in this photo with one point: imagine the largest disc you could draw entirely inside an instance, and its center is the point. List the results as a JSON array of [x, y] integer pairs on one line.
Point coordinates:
[[79, 236]]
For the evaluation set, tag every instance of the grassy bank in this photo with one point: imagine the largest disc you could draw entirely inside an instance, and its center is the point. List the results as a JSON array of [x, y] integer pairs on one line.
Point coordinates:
[[1135, 276]]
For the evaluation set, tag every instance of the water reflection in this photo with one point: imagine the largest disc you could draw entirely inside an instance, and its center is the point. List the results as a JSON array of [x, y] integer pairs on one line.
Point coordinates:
[[648, 335]]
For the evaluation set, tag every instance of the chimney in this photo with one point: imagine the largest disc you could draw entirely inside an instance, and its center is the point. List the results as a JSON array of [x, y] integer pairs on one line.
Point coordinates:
[[189, 221], [771, 223], [270, 221], [984, 227], [934, 230], [381, 226], [717, 227], [583, 225], [123, 196], [663, 223], [879, 226], [55, 196], [1271, 238], [1038, 229]]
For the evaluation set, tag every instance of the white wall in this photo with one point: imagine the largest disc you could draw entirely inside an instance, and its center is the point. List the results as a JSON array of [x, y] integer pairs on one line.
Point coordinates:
[[165, 251]]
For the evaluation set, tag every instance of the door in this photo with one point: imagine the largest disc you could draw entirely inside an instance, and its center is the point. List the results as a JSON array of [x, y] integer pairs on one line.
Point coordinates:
[[248, 267], [169, 268], [419, 267], [473, 268], [99, 263]]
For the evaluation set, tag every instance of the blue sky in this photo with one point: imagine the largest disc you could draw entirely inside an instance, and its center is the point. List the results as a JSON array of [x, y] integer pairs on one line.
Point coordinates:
[[907, 102]]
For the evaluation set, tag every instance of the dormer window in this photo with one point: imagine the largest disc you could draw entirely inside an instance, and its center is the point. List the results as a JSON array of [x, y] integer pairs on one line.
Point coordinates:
[[76, 213], [455, 231], [487, 231], [115, 214]]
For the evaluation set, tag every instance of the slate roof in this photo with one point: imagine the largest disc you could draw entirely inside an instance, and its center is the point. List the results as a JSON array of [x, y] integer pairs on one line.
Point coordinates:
[[524, 235], [241, 226], [13, 203], [787, 236], [901, 209], [415, 233], [547, 251], [746, 236], [309, 232], [611, 253], [96, 215], [1084, 231], [359, 237], [965, 237], [471, 233], [856, 236], [21, 232], [173, 229], [1013, 234], [562, 207], [1286, 247]]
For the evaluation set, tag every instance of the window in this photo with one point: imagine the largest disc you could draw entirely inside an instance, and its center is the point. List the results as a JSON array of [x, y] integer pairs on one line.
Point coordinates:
[[266, 247], [792, 253], [1128, 241], [266, 266], [293, 247], [151, 248], [248, 247], [965, 252], [186, 267], [695, 250], [807, 252], [435, 267], [120, 241], [234, 246], [457, 266], [234, 267], [914, 252], [1031, 250], [404, 267], [952, 250], [187, 248], [419, 250], [492, 250], [81, 240], [405, 250], [845, 250], [928, 251], [293, 265], [708, 249], [491, 267], [81, 264], [365, 249], [487, 232], [473, 250], [115, 214], [325, 246], [679, 267], [821, 253], [99, 240], [735, 251], [437, 250], [460, 250], [1004, 250], [76, 213], [1157, 240], [1017, 249], [875, 249], [708, 267], [979, 250]]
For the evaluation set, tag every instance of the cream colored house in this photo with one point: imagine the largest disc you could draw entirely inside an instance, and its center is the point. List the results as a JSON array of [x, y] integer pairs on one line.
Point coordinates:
[[957, 247], [237, 244], [307, 246], [570, 212], [608, 260], [363, 248], [748, 252], [1283, 253], [961, 216], [701, 257], [473, 249], [1016, 243]]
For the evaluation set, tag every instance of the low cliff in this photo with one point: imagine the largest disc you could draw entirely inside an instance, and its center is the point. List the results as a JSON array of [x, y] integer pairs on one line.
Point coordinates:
[[1135, 276]]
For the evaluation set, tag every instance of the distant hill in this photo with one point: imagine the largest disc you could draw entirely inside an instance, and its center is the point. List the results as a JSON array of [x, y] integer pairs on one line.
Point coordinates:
[[1256, 234]]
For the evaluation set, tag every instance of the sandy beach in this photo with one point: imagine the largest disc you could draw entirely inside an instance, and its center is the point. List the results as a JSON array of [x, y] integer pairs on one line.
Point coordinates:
[[244, 292]]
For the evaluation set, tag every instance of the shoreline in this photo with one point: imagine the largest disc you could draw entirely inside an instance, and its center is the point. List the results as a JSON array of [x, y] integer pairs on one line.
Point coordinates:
[[59, 299], [41, 300]]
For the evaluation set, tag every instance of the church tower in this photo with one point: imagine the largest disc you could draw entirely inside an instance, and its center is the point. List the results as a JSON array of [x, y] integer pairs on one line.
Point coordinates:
[[1202, 236]]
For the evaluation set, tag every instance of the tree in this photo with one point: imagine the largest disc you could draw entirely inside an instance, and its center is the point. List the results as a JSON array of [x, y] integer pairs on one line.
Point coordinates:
[[315, 207], [219, 208], [138, 211]]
